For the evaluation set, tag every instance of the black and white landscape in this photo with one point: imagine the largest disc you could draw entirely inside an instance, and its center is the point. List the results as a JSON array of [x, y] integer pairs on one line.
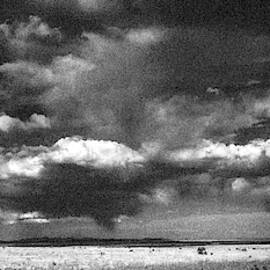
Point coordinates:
[[134, 119]]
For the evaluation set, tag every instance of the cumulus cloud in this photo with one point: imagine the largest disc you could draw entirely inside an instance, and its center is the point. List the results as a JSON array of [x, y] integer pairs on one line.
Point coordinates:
[[31, 161], [249, 155], [36, 121], [94, 153]]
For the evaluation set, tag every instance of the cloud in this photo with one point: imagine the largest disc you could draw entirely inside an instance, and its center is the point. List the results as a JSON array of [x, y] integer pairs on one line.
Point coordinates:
[[93, 153], [106, 180], [212, 157], [224, 160], [240, 185], [155, 93], [112, 88], [92, 13], [31, 217], [63, 71], [74, 177], [184, 120], [33, 39], [28, 73], [33, 30], [77, 177], [36, 121], [100, 5], [145, 36], [10, 217], [31, 161], [262, 107], [231, 153]]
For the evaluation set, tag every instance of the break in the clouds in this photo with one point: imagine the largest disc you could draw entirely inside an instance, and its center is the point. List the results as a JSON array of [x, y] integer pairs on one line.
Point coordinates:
[[112, 107]]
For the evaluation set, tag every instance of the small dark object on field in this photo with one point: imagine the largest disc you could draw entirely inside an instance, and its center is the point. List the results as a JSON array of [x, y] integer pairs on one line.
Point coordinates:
[[264, 268], [253, 248], [102, 253], [249, 256], [256, 267], [244, 249], [211, 253], [153, 249], [180, 248], [54, 263], [201, 251], [131, 250]]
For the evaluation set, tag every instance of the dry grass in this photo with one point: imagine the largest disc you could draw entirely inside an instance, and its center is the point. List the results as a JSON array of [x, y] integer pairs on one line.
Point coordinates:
[[198, 266], [99, 258]]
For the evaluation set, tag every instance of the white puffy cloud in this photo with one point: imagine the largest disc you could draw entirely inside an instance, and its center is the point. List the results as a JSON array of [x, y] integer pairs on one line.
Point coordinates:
[[93, 152], [35, 121], [31, 161], [222, 154], [24, 167]]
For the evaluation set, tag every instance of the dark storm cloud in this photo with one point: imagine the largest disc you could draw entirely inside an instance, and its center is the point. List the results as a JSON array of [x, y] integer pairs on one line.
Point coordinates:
[[105, 180], [76, 15], [71, 190], [107, 88], [43, 183]]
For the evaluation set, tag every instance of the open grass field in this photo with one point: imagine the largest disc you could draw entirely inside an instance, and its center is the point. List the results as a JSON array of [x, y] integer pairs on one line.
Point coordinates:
[[86, 257]]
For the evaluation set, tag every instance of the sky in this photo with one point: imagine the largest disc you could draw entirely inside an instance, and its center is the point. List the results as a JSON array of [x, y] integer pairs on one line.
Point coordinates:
[[132, 119]]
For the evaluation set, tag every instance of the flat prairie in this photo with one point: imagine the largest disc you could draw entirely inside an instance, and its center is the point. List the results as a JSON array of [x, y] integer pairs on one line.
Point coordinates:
[[88, 257]]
